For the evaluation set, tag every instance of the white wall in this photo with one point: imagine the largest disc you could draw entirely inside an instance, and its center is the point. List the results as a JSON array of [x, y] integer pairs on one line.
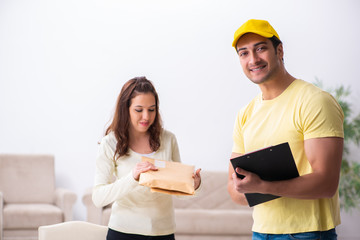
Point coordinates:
[[62, 64]]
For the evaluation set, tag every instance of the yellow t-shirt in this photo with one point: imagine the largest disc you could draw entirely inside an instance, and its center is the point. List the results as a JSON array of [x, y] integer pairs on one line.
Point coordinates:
[[301, 112]]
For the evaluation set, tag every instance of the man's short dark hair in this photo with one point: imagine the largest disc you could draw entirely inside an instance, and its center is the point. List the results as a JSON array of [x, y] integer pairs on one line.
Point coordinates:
[[275, 41]]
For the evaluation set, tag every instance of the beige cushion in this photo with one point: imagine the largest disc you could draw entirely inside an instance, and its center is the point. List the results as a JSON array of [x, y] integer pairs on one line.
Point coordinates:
[[22, 234], [214, 222], [73, 230], [30, 216], [19, 185]]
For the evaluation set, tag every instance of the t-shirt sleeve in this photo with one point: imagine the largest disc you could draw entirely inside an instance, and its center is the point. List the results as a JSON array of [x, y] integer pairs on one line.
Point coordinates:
[[238, 139], [322, 117]]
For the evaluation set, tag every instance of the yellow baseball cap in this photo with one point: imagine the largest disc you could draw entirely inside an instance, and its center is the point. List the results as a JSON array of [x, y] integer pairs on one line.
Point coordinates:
[[260, 27]]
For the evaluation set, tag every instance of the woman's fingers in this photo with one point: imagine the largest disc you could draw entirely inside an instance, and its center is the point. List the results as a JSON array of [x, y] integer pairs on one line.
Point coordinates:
[[143, 167], [197, 178]]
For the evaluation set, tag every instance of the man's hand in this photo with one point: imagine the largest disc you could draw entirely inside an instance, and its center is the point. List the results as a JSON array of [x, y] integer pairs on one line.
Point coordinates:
[[235, 195], [251, 183]]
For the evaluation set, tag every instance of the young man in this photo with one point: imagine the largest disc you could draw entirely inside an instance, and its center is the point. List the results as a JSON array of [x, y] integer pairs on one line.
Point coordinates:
[[294, 111]]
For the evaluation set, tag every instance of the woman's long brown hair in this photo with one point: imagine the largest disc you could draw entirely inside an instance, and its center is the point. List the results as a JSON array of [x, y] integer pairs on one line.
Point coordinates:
[[121, 121]]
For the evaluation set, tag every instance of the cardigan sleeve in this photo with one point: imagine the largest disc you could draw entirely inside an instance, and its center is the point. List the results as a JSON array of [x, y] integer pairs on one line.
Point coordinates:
[[175, 150], [106, 190]]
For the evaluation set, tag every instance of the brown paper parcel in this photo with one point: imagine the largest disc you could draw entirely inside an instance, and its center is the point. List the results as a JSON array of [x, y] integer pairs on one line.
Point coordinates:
[[171, 177]]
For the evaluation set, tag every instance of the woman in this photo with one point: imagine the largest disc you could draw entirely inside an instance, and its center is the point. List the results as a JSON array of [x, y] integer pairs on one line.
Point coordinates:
[[136, 130]]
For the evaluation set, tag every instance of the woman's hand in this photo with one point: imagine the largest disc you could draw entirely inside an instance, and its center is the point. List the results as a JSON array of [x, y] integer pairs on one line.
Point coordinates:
[[142, 167], [197, 178]]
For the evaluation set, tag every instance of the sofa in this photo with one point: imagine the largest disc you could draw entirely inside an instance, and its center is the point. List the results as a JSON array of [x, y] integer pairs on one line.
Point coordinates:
[[28, 196], [94, 214], [73, 230], [210, 215]]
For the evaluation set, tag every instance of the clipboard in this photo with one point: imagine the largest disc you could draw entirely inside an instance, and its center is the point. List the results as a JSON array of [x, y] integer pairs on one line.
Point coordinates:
[[274, 163]]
